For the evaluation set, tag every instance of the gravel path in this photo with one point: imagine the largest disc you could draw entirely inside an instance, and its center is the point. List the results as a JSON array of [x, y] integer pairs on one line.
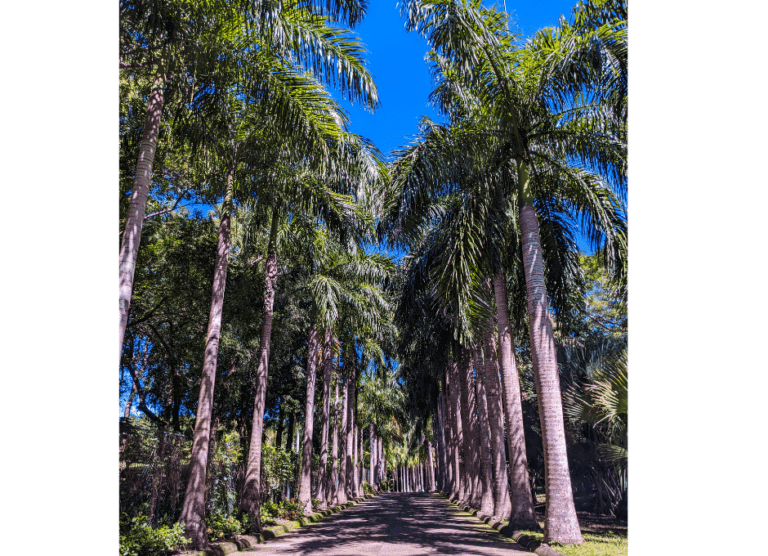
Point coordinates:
[[393, 524]]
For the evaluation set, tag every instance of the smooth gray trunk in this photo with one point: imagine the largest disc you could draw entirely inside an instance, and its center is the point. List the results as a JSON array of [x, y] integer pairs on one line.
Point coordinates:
[[486, 504], [467, 409], [522, 515], [560, 522], [349, 477], [372, 455], [322, 475], [134, 221], [332, 486], [251, 498], [305, 495], [193, 508], [501, 499], [457, 432]]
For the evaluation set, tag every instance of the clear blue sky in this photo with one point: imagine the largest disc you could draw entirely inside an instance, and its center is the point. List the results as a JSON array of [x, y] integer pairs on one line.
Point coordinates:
[[396, 60]]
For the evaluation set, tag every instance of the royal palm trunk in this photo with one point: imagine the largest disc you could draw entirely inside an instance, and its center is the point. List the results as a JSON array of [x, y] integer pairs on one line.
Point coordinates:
[[457, 433], [430, 468], [470, 446], [439, 434], [372, 454], [305, 481], [320, 487], [359, 456], [486, 504], [348, 478], [560, 522], [340, 495], [355, 468], [501, 500], [381, 463], [251, 498], [134, 221], [330, 492], [291, 426], [522, 516], [448, 482], [193, 508]]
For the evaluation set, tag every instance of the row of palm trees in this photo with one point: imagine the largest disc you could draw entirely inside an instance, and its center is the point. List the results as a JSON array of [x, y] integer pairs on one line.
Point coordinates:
[[534, 144], [245, 85]]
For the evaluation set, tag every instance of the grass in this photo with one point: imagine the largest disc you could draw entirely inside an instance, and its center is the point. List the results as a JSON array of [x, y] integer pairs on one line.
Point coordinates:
[[603, 536], [608, 543]]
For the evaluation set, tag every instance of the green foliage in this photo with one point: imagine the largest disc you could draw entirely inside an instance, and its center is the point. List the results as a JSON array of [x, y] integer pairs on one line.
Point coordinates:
[[291, 509], [287, 509], [139, 538], [278, 467], [221, 527], [367, 488]]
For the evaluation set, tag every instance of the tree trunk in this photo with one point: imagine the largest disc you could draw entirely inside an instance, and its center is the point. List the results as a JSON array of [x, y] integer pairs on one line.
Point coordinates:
[[129, 248], [193, 508], [487, 503], [560, 522], [430, 467], [251, 499], [522, 516], [446, 439], [211, 454], [340, 495], [361, 464], [501, 500], [292, 425], [320, 487], [279, 432], [349, 477], [380, 461], [457, 433], [331, 491], [305, 496], [355, 469], [129, 403], [438, 433], [467, 409], [372, 455]]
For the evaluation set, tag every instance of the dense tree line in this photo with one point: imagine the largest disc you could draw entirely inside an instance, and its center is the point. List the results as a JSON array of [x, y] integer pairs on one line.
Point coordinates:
[[274, 355]]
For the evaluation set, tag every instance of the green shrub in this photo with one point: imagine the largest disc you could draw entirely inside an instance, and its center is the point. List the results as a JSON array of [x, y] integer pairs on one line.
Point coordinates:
[[367, 488], [139, 538], [291, 509], [221, 527], [315, 504], [271, 509]]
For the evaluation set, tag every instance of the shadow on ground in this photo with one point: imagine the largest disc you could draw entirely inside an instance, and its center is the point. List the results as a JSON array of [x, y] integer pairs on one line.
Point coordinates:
[[398, 524]]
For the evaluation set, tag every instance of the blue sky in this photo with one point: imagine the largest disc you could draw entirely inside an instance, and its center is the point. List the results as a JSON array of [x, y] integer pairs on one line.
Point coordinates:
[[396, 60]]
